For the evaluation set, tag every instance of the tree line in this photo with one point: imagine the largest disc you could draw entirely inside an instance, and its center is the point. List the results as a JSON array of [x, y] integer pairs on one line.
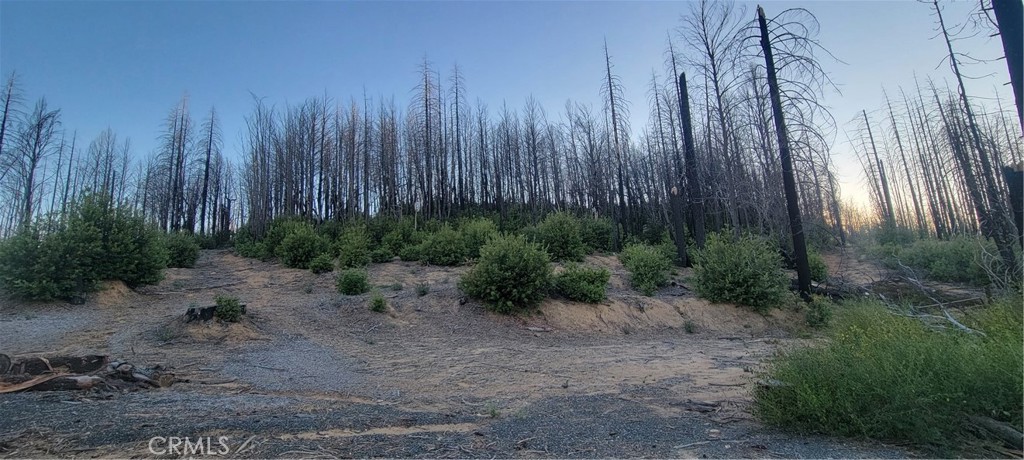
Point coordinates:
[[736, 141]]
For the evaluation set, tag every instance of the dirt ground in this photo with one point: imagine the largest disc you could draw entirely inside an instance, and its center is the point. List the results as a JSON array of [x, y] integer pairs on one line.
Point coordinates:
[[312, 373]]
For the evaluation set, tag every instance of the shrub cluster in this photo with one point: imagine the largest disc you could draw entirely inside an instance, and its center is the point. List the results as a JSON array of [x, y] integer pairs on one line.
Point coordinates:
[[353, 248], [322, 263], [97, 241], [958, 259], [892, 378], [511, 275], [444, 247], [475, 234], [300, 246], [597, 234], [583, 284], [648, 267], [182, 250], [353, 281], [559, 235], [819, 271], [746, 271]]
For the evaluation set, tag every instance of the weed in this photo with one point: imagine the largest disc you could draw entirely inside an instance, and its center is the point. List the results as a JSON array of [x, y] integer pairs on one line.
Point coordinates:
[[378, 304]]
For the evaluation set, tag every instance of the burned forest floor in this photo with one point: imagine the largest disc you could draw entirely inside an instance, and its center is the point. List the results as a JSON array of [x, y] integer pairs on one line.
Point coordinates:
[[312, 373]]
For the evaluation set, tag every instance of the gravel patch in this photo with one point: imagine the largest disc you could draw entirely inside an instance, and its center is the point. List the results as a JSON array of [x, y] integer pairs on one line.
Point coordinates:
[[293, 365]]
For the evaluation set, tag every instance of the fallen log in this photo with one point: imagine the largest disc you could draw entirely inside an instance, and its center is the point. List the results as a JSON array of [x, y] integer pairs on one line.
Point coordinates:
[[1003, 431], [832, 291], [79, 373], [5, 363], [58, 364]]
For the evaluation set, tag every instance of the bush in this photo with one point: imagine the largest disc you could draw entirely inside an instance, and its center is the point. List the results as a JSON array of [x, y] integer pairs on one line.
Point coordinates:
[[353, 281], [819, 312], [378, 304], [559, 234], [511, 275], [890, 377], [381, 255], [475, 234], [597, 234], [648, 267], [422, 289], [445, 247], [228, 309], [246, 245], [404, 234], [301, 246], [322, 263], [819, 271], [97, 241], [411, 253], [957, 260], [898, 236], [581, 283], [747, 272], [353, 248], [280, 228], [182, 250]]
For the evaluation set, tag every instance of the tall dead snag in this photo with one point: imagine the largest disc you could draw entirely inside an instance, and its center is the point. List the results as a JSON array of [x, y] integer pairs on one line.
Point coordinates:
[[890, 214], [803, 270], [1010, 21], [692, 179], [615, 106], [1001, 227]]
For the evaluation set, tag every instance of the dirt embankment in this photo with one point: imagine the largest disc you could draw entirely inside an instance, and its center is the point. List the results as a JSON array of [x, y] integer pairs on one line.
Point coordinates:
[[310, 372]]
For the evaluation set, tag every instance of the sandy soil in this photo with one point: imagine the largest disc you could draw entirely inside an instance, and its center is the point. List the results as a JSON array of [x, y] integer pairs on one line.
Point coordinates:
[[310, 372]]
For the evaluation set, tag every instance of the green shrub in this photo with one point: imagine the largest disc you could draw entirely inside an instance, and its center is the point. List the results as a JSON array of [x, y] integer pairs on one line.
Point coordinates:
[[898, 236], [411, 253], [511, 275], [378, 304], [475, 234], [182, 250], [246, 245], [353, 281], [648, 267], [403, 234], [280, 228], [353, 248], [422, 289], [819, 271], [322, 263], [597, 234], [301, 246], [228, 309], [819, 312], [746, 272], [381, 255], [892, 378], [445, 247], [957, 260], [582, 283], [96, 241], [559, 235]]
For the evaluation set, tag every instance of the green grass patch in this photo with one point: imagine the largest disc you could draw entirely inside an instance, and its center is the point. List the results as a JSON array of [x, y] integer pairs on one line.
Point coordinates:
[[892, 378]]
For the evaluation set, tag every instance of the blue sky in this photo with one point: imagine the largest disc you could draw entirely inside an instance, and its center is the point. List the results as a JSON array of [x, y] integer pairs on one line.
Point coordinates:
[[124, 65]]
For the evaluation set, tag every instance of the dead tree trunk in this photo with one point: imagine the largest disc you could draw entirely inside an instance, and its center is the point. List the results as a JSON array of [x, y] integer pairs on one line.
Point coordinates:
[[1010, 21], [692, 179], [803, 270]]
